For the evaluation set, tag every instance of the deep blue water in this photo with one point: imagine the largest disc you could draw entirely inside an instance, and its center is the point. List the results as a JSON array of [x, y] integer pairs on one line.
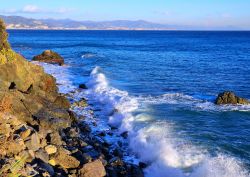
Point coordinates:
[[175, 74]]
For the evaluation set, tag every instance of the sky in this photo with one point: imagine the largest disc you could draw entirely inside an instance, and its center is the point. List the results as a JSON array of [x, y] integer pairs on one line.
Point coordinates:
[[202, 13]]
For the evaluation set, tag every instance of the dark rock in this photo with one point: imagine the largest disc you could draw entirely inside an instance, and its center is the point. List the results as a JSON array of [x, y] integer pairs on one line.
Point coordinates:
[[125, 134], [142, 165], [116, 161], [83, 86], [49, 56], [136, 171], [42, 167], [229, 97]]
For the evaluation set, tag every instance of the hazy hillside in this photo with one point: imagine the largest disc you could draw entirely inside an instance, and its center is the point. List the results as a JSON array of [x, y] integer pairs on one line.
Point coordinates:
[[17, 22]]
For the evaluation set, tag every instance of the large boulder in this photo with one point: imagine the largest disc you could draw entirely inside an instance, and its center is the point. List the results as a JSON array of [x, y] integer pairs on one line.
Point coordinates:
[[93, 169], [229, 97], [49, 56]]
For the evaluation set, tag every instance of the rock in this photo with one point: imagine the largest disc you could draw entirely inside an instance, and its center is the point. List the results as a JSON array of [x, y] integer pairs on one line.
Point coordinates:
[[51, 149], [136, 171], [93, 169], [116, 161], [44, 167], [82, 103], [83, 86], [63, 102], [52, 162], [9, 146], [49, 56], [142, 165], [65, 160], [125, 134], [43, 155], [83, 158], [34, 143], [25, 133], [229, 97], [55, 139]]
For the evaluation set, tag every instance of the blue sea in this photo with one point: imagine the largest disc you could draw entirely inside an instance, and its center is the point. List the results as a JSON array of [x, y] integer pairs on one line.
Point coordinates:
[[160, 86]]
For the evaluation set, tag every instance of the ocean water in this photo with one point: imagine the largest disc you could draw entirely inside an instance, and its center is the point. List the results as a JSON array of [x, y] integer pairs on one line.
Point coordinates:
[[160, 87]]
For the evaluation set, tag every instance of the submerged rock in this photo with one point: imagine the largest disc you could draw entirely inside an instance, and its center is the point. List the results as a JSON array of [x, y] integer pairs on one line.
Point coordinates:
[[229, 97], [49, 56]]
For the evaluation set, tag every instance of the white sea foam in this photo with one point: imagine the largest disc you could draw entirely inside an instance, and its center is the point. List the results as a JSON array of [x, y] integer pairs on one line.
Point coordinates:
[[155, 143], [190, 102]]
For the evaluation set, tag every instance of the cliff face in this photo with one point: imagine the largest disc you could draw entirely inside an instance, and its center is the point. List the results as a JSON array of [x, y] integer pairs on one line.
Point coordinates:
[[26, 91], [31, 109]]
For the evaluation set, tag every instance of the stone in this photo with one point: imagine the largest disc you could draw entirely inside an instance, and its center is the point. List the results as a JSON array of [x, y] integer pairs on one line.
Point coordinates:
[[25, 133], [52, 162], [125, 134], [82, 103], [93, 169], [83, 86], [116, 161], [51, 149], [55, 139], [229, 97], [34, 143], [63, 102], [9, 146], [43, 155], [49, 56], [65, 160]]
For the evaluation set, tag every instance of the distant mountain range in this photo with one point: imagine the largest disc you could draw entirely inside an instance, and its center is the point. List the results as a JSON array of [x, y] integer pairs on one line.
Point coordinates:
[[18, 22]]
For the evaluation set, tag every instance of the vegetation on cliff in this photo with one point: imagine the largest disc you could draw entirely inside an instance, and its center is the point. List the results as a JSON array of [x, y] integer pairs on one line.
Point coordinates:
[[6, 53]]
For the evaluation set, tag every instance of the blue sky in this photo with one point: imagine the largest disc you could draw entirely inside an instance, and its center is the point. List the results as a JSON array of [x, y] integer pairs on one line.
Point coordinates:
[[207, 13]]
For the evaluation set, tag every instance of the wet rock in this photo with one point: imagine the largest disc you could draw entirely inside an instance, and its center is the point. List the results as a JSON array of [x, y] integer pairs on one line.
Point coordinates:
[[142, 165], [136, 171], [82, 157], [229, 97], [82, 103], [93, 169], [125, 134], [116, 161], [49, 56], [83, 86]]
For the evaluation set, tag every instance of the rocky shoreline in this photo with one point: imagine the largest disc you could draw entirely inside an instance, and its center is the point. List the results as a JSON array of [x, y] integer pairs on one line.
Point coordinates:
[[40, 135]]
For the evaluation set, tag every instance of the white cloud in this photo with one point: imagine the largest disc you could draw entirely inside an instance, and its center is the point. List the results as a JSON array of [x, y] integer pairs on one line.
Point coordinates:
[[31, 9]]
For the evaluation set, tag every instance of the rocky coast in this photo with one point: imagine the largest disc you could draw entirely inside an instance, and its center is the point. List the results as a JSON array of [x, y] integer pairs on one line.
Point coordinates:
[[40, 134]]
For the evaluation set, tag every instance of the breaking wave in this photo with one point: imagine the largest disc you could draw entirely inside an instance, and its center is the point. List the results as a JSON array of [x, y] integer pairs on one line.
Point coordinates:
[[155, 143]]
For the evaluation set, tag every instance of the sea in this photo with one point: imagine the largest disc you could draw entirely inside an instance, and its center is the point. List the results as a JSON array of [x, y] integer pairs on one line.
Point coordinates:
[[160, 87]]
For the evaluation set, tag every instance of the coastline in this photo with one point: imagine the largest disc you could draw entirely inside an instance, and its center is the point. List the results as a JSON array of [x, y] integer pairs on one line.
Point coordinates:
[[51, 139], [155, 143]]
